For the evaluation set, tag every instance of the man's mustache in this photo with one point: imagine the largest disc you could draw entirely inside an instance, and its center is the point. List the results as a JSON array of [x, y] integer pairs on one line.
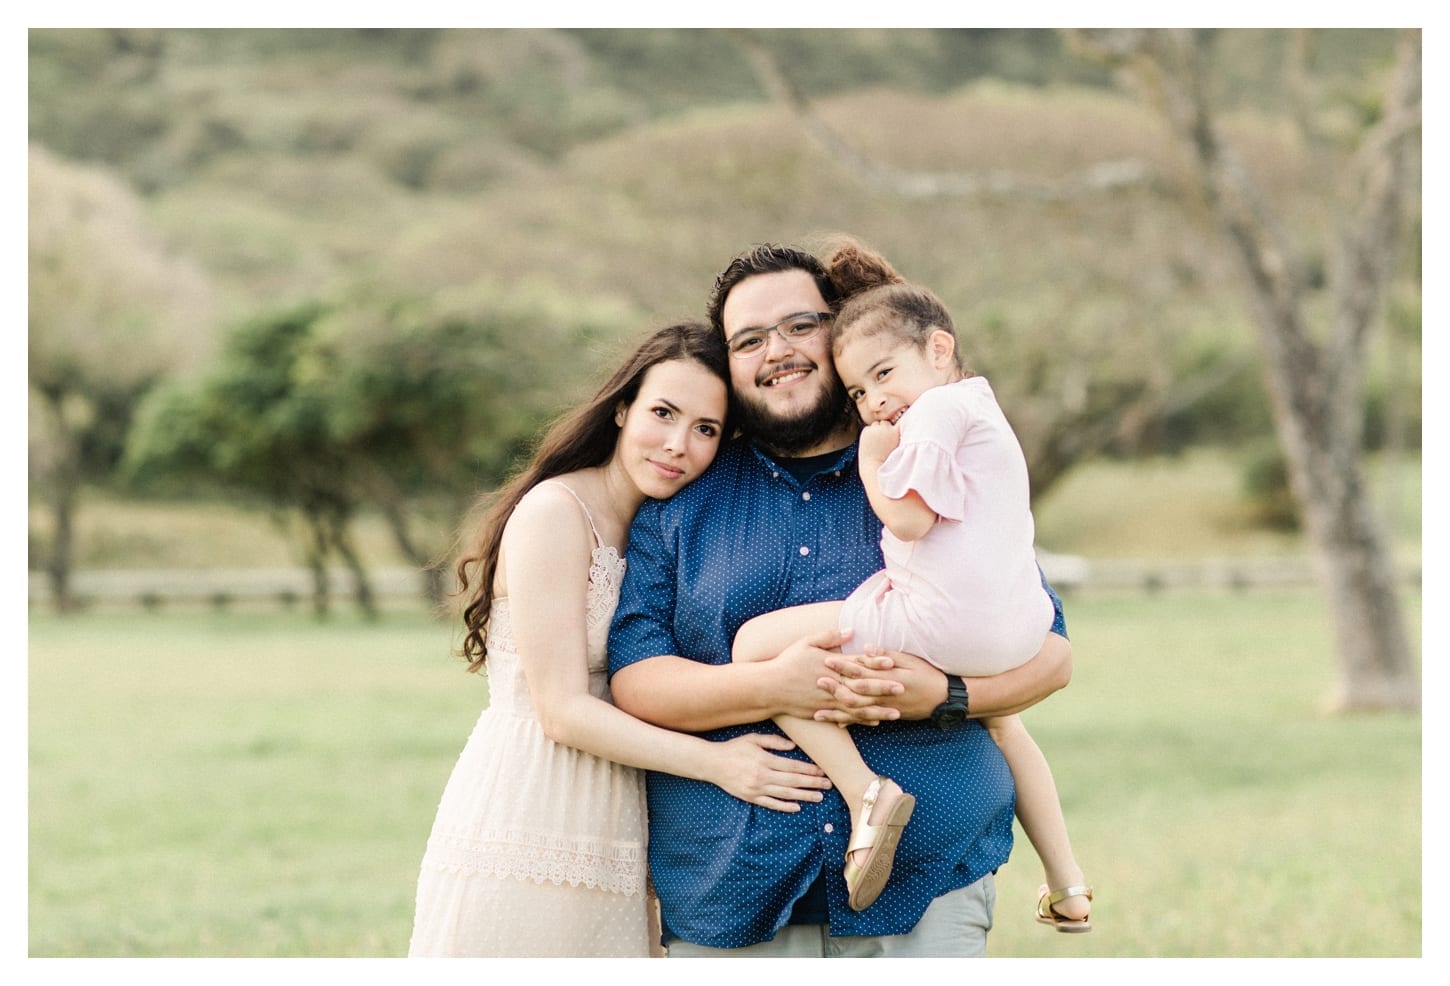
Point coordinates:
[[781, 368]]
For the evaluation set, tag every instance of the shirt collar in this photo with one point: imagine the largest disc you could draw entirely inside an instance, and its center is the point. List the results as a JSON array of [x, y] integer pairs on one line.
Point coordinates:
[[836, 462]]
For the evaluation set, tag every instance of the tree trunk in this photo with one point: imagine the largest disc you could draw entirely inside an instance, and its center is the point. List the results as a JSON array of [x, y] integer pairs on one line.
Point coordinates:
[[433, 571], [62, 548], [341, 540], [317, 551], [65, 489], [1316, 389], [1375, 666]]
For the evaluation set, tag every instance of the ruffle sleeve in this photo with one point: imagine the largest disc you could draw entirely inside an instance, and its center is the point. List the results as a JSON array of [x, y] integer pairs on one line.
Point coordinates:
[[932, 472]]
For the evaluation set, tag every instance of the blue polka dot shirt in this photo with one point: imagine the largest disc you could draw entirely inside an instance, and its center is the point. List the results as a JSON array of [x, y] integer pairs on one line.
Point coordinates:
[[744, 539]]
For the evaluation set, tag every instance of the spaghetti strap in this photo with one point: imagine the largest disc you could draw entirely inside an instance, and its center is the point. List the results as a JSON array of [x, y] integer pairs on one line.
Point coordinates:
[[598, 541]]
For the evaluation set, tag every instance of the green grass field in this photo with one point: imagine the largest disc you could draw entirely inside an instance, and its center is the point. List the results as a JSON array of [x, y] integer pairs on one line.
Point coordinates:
[[262, 785]]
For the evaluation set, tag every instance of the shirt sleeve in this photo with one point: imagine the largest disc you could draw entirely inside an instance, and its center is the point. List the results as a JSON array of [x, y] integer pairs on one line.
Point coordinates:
[[926, 460], [1059, 618], [931, 472], [643, 624]]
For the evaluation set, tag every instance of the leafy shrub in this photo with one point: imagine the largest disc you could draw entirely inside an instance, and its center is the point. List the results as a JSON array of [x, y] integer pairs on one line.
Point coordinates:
[[1266, 487]]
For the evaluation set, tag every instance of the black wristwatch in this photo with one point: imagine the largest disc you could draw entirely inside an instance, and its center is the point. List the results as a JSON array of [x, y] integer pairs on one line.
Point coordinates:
[[952, 712]]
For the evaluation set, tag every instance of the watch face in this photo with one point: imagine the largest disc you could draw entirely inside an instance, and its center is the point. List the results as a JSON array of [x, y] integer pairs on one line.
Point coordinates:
[[950, 716]]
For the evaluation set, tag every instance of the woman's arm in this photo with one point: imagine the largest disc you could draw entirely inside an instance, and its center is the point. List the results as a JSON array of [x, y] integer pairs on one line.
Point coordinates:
[[546, 554]]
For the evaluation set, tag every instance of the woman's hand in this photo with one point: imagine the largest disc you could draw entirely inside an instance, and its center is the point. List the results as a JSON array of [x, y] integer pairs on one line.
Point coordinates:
[[745, 767]]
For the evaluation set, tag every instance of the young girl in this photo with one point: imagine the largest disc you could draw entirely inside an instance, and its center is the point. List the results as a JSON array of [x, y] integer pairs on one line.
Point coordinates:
[[538, 848], [961, 587]]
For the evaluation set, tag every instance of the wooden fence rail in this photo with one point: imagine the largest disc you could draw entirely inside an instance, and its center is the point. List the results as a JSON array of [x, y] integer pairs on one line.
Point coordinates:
[[228, 588], [401, 588]]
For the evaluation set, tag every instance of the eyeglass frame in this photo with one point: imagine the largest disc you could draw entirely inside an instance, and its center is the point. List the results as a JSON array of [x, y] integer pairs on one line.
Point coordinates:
[[763, 334]]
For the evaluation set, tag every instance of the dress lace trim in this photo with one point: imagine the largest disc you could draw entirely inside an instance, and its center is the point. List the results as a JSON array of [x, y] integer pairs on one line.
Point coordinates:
[[618, 868], [606, 575]]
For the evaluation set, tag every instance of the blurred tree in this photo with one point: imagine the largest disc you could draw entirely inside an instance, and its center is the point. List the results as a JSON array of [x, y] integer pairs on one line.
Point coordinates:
[[438, 398], [111, 313], [408, 407], [1315, 377], [255, 424]]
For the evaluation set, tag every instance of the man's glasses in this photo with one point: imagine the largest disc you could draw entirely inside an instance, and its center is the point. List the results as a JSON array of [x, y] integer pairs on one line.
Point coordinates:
[[796, 328]]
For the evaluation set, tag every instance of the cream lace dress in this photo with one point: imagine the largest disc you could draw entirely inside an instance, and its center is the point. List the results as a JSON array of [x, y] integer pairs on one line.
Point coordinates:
[[537, 849]]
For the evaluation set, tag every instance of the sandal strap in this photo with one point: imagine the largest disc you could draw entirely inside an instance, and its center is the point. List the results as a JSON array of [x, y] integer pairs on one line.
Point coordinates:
[[1058, 896], [863, 833]]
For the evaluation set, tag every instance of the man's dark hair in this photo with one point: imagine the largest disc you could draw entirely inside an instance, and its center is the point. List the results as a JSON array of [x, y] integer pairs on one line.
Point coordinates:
[[767, 258]]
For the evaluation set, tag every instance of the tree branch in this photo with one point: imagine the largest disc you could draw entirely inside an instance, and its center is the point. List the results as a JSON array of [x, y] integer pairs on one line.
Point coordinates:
[[1366, 250], [1105, 176], [1276, 285]]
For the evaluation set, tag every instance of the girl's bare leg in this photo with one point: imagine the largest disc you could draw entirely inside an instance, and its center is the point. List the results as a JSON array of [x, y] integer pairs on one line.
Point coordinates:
[[1040, 811], [830, 746], [833, 750], [768, 634]]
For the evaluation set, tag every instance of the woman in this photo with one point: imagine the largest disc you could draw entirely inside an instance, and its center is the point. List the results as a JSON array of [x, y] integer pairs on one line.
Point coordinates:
[[538, 848]]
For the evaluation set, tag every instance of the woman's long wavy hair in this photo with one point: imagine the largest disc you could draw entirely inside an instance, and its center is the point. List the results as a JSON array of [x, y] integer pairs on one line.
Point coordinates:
[[580, 439], [876, 299]]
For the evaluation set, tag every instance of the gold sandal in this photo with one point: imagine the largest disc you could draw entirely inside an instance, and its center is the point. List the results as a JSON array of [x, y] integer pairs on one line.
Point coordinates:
[[866, 880], [1047, 914]]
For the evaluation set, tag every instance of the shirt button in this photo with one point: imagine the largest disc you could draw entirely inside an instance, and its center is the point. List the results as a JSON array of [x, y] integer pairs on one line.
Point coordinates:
[[806, 495], [830, 828], [805, 551]]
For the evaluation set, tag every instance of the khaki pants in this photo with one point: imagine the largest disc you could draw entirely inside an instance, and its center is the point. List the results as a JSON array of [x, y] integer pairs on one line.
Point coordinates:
[[954, 926]]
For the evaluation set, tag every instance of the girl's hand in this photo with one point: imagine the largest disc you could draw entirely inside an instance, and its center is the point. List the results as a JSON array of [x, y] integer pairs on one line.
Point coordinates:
[[880, 685], [878, 440], [746, 769]]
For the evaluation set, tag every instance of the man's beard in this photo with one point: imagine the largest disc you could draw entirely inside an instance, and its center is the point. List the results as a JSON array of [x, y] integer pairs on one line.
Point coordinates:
[[792, 436]]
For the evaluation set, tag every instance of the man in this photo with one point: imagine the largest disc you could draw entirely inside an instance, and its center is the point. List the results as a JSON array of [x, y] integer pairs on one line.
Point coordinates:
[[781, 519]]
